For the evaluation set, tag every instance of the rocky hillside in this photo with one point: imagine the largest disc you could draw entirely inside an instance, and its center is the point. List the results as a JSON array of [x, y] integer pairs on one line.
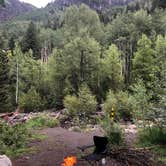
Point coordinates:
[[14, 8]]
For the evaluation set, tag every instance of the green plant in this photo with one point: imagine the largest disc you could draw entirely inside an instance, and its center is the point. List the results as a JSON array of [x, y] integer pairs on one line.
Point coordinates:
[[82, 106], [122, 103], [112, 131], [87, 100], [13, 139], [31, 101], [52, 122], [42, 121], [140, 100], [72, 104], [152, 136]]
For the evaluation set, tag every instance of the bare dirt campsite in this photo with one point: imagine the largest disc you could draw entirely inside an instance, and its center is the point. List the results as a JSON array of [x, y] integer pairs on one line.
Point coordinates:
[[59, 144]]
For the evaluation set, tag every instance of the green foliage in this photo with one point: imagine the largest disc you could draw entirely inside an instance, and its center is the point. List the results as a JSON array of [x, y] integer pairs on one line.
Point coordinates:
[[143, 22], [80, 21], [41, 122], [140, 100], [112, 68], [152, 136], [104, 55], [82, 106], [87, 100], [81, 58], [160, 48], [122, 103], [57, 79], [112, 131], [31, 41], [77, 63], [11, 44], [5, 104], [159, 4], [25, 72], [13, 139], [72, 104], [144, 64], [30, 101]]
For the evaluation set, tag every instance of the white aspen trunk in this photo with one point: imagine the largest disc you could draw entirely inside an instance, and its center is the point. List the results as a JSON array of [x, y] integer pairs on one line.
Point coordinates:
[[17, 84]]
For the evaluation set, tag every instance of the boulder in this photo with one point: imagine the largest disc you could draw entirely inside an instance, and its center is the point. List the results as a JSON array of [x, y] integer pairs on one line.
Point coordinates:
[[5, 161]]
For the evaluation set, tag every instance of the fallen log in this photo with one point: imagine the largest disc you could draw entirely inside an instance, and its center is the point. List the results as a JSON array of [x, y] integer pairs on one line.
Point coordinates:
[[6, 114]]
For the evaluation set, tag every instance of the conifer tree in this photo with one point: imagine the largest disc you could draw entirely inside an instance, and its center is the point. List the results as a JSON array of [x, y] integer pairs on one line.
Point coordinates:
[[31, 41], [5, 105], [12, 45]]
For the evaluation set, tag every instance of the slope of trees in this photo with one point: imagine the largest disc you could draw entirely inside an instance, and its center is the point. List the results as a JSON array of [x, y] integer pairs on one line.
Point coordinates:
[[113, 55], [5, 104]]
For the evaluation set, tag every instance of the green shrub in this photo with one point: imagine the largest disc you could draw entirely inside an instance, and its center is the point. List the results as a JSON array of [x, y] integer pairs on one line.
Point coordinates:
[[112, 131], [72, 103], [122, 103], [30, 101], [52, 122], [42, 121], [12, 138], [152, 136], [84, 105], [141, 99], [88, 102]]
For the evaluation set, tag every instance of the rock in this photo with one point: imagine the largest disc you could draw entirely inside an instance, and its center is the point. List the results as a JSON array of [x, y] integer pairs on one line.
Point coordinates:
[[27, 158], [5, 161]]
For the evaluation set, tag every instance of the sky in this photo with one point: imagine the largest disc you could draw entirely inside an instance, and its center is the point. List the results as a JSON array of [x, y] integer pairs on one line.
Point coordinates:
[[38, 3]]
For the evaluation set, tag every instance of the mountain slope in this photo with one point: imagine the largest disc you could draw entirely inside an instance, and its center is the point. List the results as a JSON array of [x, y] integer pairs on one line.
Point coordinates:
[[14, 8], [29, 12], [94, 4]]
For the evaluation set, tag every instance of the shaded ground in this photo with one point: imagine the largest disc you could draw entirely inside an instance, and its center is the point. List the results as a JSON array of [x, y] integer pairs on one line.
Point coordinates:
[[61, 143]]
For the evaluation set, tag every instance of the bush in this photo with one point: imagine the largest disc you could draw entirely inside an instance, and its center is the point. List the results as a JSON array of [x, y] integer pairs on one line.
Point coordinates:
[[112, 131], [72, 103], [42, 121], [12, 138], [122, 103], [152, 136], [84, 105], [88, 104], [30, 101]]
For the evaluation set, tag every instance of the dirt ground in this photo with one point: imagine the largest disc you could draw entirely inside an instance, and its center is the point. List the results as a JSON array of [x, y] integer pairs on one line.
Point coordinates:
[[61, 143]]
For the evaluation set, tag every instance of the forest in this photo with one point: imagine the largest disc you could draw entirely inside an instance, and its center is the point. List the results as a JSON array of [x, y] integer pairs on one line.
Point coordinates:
[[99, 65]]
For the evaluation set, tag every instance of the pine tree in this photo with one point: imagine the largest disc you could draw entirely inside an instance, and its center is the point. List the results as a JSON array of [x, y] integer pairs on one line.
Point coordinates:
[[12, 45], [31, 41], [5, 105]]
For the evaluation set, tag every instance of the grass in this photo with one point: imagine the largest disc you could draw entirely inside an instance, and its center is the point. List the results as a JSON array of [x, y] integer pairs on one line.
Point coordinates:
[[154, 138], [40, 122], [38, 137]]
